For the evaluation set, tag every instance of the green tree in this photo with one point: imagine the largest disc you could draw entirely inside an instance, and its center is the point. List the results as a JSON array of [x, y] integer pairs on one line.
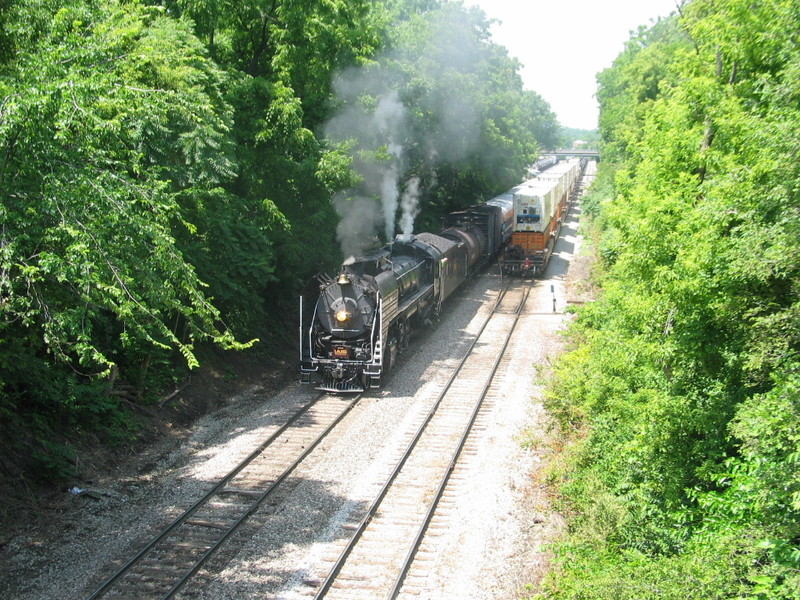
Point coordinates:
[[684, 386], [280, 57], [460, 147], [111, 112]]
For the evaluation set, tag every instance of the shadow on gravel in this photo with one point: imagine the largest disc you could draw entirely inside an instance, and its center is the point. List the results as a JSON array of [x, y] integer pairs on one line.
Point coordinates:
[[564, 249], [263, 559], [449, 336]]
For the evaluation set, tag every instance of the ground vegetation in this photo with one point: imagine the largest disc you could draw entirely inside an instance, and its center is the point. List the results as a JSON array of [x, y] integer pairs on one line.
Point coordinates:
[[679, 400]]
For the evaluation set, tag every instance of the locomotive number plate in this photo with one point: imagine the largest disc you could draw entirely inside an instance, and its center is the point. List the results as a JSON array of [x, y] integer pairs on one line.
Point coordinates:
[[341, 352]]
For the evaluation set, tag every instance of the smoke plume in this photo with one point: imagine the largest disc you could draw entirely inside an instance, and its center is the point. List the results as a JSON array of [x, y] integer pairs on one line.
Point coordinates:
[[410, 207], [376, 127], [373, 122]]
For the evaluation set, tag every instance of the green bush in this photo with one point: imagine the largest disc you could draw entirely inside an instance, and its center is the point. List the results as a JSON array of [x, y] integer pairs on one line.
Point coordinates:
[[679, 402]]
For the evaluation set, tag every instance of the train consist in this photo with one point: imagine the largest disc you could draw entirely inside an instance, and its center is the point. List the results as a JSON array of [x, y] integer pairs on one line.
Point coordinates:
[[353, 326], [539, 206]]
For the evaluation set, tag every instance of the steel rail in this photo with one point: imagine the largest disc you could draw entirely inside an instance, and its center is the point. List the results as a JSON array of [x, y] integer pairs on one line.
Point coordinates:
[[456, 455], [267, 492], [125, 569], [373, 509]]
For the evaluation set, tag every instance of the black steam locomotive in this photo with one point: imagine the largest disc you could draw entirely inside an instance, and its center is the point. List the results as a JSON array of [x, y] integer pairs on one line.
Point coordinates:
[[353, 326]]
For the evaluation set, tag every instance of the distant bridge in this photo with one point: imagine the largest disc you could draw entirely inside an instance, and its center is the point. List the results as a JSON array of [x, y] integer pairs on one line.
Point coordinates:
[[567, 152]]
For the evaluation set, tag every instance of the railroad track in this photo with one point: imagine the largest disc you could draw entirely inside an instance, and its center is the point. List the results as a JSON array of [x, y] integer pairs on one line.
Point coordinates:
[[379, 555], [164, 566]]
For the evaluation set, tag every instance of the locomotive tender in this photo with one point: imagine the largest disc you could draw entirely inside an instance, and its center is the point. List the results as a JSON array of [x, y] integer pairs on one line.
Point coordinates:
[[353, 326]]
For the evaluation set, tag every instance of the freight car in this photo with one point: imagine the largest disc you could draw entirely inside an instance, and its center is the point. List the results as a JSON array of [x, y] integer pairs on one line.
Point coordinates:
[[539, 207], [353, 326], [544, 162]]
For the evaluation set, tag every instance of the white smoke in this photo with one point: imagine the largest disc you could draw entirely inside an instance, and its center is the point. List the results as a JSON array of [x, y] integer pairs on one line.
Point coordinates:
[[389, 194], [360, 221], [410, 207], [377, 128], [375, 125]]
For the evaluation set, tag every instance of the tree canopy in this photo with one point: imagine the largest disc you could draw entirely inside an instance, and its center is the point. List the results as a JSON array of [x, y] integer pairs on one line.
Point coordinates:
[[684, 385]]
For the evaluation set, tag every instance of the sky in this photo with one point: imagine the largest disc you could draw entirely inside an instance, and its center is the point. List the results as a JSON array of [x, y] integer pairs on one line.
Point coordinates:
[[563, 44]]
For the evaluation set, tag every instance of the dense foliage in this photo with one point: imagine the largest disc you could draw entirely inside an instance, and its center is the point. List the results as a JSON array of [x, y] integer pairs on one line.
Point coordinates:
[[681, 399], [171, 171]]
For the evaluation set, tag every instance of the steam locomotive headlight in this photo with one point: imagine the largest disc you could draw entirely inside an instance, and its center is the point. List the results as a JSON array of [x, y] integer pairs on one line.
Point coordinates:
[[342, 315]]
